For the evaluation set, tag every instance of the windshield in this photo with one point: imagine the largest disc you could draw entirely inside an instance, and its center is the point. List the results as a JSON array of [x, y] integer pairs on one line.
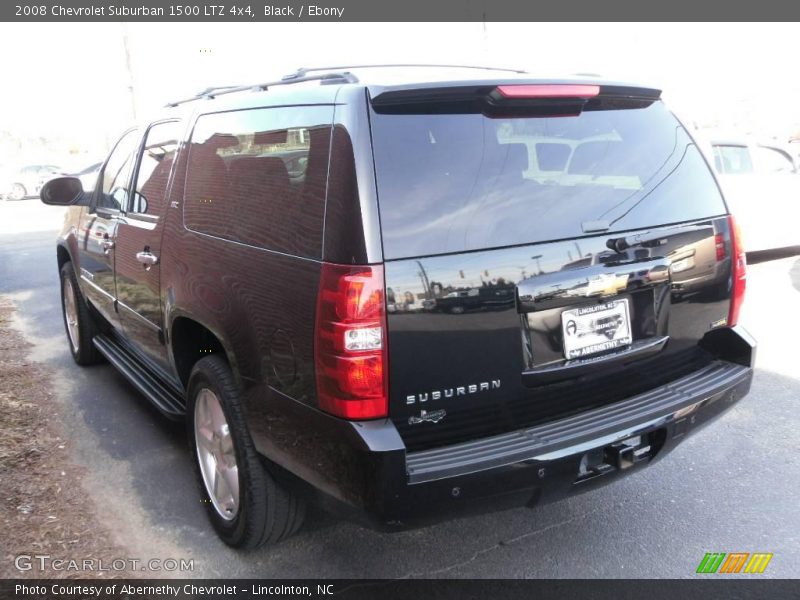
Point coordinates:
[[459, 182]]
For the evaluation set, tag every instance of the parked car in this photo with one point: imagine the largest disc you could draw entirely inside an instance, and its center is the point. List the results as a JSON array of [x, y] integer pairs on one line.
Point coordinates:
[[28, 180], [410, 323], [762, 186]]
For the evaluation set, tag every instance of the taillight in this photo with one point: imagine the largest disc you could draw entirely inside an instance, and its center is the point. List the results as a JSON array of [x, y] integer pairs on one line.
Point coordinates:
[[719, 244], [350, 351], [738, 272], [549, 91]]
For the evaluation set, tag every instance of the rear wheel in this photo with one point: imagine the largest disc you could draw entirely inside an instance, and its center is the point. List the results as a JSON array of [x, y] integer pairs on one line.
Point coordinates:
[[18, 192], [722, 290], [245, 504], [78, 321]]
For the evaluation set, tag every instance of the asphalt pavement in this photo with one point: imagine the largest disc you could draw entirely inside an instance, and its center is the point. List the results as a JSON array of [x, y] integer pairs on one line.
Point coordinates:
[[733, 487]]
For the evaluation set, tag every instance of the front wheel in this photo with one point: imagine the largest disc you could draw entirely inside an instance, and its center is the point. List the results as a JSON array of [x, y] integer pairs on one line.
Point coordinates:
[[245, 504]]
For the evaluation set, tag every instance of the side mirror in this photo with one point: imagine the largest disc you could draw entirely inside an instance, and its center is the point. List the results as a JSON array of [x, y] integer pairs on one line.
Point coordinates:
[[63, 191], [139, 203]]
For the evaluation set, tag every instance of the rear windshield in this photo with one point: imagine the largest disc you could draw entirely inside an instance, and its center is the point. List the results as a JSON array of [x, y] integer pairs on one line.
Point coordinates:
[[459, 182]]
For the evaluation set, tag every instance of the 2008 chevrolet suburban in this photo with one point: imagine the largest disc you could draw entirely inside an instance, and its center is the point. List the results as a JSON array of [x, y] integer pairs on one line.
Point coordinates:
[[407, 293]]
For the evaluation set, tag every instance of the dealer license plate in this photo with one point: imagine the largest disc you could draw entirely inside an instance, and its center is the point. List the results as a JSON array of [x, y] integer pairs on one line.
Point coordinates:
[[592, 329]]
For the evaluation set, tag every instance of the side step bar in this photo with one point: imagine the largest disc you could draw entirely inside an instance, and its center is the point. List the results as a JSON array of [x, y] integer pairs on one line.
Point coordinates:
[[166, 399]]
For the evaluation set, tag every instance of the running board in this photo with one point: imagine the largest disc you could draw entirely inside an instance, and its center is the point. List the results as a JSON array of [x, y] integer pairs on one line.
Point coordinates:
[[165, 399]]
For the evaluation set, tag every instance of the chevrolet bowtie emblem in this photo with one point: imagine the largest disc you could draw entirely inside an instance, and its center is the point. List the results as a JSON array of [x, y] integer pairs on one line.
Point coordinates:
[[606, 284]]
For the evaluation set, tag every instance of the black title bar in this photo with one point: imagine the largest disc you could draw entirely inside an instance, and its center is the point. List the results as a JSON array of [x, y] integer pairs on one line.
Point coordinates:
[[397, 10]]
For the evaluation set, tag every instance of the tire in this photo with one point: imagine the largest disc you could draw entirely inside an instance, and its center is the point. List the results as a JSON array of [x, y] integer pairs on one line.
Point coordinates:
[[723, 290], [261, 511], [18, 192], [78, 322]]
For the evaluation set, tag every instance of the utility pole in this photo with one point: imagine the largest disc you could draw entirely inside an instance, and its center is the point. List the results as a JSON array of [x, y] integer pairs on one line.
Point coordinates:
[[128, 70], [426, 284], [536, 257]]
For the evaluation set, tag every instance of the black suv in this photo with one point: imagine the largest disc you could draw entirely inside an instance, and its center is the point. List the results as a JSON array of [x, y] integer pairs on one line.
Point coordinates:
[[406, 293]]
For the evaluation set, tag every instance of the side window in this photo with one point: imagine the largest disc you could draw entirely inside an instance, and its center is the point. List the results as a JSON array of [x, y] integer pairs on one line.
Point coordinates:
[[773, 160], [114, 180], [158, 155], [735, 159], [259, 177]]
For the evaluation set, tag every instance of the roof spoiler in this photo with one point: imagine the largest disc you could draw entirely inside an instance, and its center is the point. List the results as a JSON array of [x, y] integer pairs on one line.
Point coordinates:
[[510, 99]]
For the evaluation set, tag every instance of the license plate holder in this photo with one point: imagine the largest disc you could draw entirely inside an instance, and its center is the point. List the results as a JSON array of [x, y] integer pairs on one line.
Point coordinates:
[[596, 328]]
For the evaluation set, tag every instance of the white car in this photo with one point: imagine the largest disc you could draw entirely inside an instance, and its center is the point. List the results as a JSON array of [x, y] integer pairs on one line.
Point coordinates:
[[761, 181], [28, 180]]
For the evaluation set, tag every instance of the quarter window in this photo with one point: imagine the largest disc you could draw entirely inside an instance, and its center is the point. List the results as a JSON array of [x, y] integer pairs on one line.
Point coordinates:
[[259, 177]]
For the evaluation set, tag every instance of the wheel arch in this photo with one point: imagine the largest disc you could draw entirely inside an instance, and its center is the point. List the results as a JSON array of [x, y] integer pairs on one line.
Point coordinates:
[[189, 341], [67, 249], [63, 255]]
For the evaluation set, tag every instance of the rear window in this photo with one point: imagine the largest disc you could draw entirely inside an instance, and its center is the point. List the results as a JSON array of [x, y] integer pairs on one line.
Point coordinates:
[[259, 176], [459, 182]]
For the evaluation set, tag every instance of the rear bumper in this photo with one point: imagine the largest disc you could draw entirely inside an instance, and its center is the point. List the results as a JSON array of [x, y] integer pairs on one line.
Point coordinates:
[[393, 489], [703, 393]]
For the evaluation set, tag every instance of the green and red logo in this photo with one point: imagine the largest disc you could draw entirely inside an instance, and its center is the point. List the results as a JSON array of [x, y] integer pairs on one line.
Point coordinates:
[[734, 562]]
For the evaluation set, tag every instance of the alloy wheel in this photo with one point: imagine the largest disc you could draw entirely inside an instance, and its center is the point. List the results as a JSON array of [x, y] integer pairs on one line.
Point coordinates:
[[71, 315], [216, 454]]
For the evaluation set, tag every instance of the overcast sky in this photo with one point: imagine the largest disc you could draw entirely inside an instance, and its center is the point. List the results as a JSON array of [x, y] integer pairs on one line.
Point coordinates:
[[71, 80]]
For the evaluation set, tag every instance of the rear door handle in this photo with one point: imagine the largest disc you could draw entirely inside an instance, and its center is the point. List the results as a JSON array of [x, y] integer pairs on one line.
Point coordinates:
[[148, 259], [107, 244]]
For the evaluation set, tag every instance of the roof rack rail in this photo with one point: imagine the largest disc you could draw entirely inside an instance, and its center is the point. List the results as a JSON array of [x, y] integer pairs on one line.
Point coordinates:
[[213, 92], [303, 71], [326, 75], [208, 92]]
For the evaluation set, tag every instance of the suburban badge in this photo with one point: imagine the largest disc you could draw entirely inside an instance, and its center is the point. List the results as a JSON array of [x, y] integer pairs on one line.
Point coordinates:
[[462, 390]]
